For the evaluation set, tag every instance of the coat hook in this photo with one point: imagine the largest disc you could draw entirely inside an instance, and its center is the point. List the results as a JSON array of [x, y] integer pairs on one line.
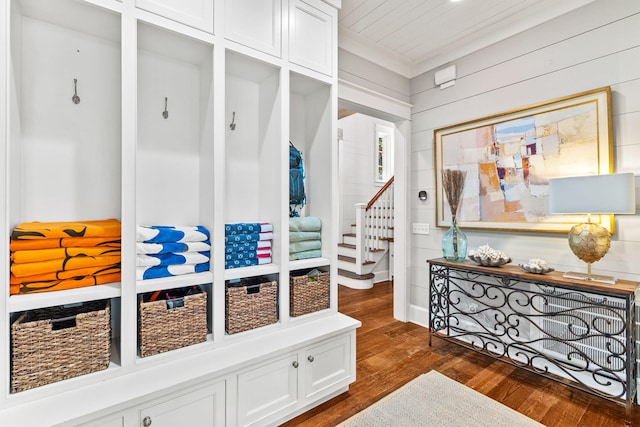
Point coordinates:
[[165, 113], [232, 126], [75, 98]]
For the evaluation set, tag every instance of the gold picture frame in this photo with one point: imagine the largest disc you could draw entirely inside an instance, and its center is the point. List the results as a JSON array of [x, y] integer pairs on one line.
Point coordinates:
[[510, 157]]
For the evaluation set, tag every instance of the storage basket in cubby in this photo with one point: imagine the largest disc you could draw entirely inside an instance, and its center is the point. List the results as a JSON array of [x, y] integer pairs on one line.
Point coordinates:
[[251, 303], [56, 343], [308, 293], [162, 327]]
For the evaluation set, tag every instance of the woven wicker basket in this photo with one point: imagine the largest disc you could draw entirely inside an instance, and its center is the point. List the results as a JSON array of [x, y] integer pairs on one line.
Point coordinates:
[[308, 294], [163, 329], [56, 343], [251, 305]]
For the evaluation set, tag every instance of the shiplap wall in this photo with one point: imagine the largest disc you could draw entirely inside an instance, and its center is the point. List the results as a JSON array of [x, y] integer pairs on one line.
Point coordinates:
[[367, 74], [592, 47], [357, 165]]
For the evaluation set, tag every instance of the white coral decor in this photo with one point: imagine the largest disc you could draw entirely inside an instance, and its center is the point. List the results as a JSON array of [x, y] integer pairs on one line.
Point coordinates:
[[486, 255]]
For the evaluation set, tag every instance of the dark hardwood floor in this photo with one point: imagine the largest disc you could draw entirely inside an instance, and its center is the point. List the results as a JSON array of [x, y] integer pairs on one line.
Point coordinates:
[[391, 353]]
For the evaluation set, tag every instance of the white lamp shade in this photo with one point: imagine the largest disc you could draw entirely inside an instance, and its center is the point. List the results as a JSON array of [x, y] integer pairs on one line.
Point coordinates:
[[593, 194]]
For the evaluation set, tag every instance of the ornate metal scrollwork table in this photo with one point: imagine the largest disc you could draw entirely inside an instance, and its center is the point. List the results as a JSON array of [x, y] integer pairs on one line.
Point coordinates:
[[577, 332]]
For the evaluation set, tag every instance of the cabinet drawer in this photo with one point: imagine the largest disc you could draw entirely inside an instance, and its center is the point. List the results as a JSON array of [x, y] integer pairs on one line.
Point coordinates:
[[312, 36], [257, 24], [194, 13], [204, 407]]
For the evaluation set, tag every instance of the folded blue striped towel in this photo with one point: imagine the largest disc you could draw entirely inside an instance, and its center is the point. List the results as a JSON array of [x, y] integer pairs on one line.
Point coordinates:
[[247, 246], [239, 238], [157, 272], [172, 259], [246, 262], [167, 247], [170, 234], [260, 253], [247, 228]]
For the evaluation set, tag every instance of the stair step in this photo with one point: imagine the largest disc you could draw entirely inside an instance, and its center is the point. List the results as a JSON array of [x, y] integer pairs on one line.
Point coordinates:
[[390, 227], [346, 245], [352, 260], [349, 246], [355, 276], [354, 235]]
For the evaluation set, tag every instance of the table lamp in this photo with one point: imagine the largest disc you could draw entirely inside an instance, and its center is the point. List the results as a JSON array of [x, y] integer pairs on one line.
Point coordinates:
[[593, 194]]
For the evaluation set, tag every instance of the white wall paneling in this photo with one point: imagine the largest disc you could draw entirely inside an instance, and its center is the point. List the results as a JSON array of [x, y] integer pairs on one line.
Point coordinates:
[[585, 49]]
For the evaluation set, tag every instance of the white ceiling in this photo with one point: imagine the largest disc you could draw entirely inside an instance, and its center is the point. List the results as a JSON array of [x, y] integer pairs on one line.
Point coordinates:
[[414, 36]]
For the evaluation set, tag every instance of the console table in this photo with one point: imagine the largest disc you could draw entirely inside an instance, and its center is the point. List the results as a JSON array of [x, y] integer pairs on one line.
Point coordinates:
[[578, 332]]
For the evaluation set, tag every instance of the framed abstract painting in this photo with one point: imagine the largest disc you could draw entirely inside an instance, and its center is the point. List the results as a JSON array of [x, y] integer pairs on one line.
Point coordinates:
[[510, 157]]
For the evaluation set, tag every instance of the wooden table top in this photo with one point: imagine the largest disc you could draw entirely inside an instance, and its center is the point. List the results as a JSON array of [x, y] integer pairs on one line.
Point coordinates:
[[621, 287]]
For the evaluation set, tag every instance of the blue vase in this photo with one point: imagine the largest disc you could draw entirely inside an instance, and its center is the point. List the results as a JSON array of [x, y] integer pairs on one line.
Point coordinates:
[[454, 243]]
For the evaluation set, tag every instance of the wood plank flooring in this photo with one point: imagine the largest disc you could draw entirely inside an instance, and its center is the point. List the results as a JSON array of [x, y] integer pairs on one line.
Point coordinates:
[[391, 353]]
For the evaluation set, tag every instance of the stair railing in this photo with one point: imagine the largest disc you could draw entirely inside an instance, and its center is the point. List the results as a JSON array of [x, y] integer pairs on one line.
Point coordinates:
[[374, 223]]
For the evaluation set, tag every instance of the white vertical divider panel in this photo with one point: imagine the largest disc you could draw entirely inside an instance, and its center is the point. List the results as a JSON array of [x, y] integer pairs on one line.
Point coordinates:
[[332, 252], [4, 222], [285, 105], [128, 309], [219, 125]]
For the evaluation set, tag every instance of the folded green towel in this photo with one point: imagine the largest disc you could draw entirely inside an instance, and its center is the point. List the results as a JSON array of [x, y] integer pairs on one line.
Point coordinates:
[[301, 236], [307, 245], [305, 223], [305, 255]]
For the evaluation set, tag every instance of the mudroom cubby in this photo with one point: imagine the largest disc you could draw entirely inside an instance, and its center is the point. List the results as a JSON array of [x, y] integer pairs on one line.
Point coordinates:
[[253, 149], [310, 131], [166, 118], [63, 146], [174, 149]]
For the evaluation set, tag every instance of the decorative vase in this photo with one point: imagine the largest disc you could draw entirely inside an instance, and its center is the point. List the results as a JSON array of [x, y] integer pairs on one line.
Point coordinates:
[[454, 243]]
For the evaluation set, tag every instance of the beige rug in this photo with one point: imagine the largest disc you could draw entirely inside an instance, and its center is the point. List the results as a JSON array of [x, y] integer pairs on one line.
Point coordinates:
[[433, 399]]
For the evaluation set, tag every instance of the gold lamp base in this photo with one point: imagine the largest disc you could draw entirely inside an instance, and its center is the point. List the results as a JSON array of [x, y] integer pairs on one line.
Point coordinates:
[[590, 277], [590, 242]]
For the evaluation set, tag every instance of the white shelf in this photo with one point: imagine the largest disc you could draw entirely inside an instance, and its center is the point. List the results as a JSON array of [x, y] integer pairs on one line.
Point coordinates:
[[143, 286], [258, 270], [302, 264], [69, 296]]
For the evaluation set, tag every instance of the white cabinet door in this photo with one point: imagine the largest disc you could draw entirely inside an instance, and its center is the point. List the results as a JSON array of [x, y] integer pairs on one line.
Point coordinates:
[[194, 13], [257, 24], [267, 390], [327, 364], [202, 408], [312, 35]]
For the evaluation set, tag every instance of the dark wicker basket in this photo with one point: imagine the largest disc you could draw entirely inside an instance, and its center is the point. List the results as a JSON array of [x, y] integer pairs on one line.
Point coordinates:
[[163, 329], [250, 305], [308, 294], [56, 343]]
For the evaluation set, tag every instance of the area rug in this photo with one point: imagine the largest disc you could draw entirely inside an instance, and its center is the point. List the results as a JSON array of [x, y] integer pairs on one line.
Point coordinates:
[[433, 399]]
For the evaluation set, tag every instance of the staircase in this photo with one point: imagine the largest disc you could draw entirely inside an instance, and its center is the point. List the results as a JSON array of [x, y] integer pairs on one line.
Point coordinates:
[[365, 255]]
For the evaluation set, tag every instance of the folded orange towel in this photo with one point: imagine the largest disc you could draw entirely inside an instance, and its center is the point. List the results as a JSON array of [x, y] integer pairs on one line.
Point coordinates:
[[50, 230], [65, 242], [66, 274], [22, 257], [71, 263], [59, 285]]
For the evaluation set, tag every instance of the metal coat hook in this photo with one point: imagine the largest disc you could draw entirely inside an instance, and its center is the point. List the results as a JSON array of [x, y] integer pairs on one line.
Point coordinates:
[[75, 98], [165, 113], [232, 126]]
